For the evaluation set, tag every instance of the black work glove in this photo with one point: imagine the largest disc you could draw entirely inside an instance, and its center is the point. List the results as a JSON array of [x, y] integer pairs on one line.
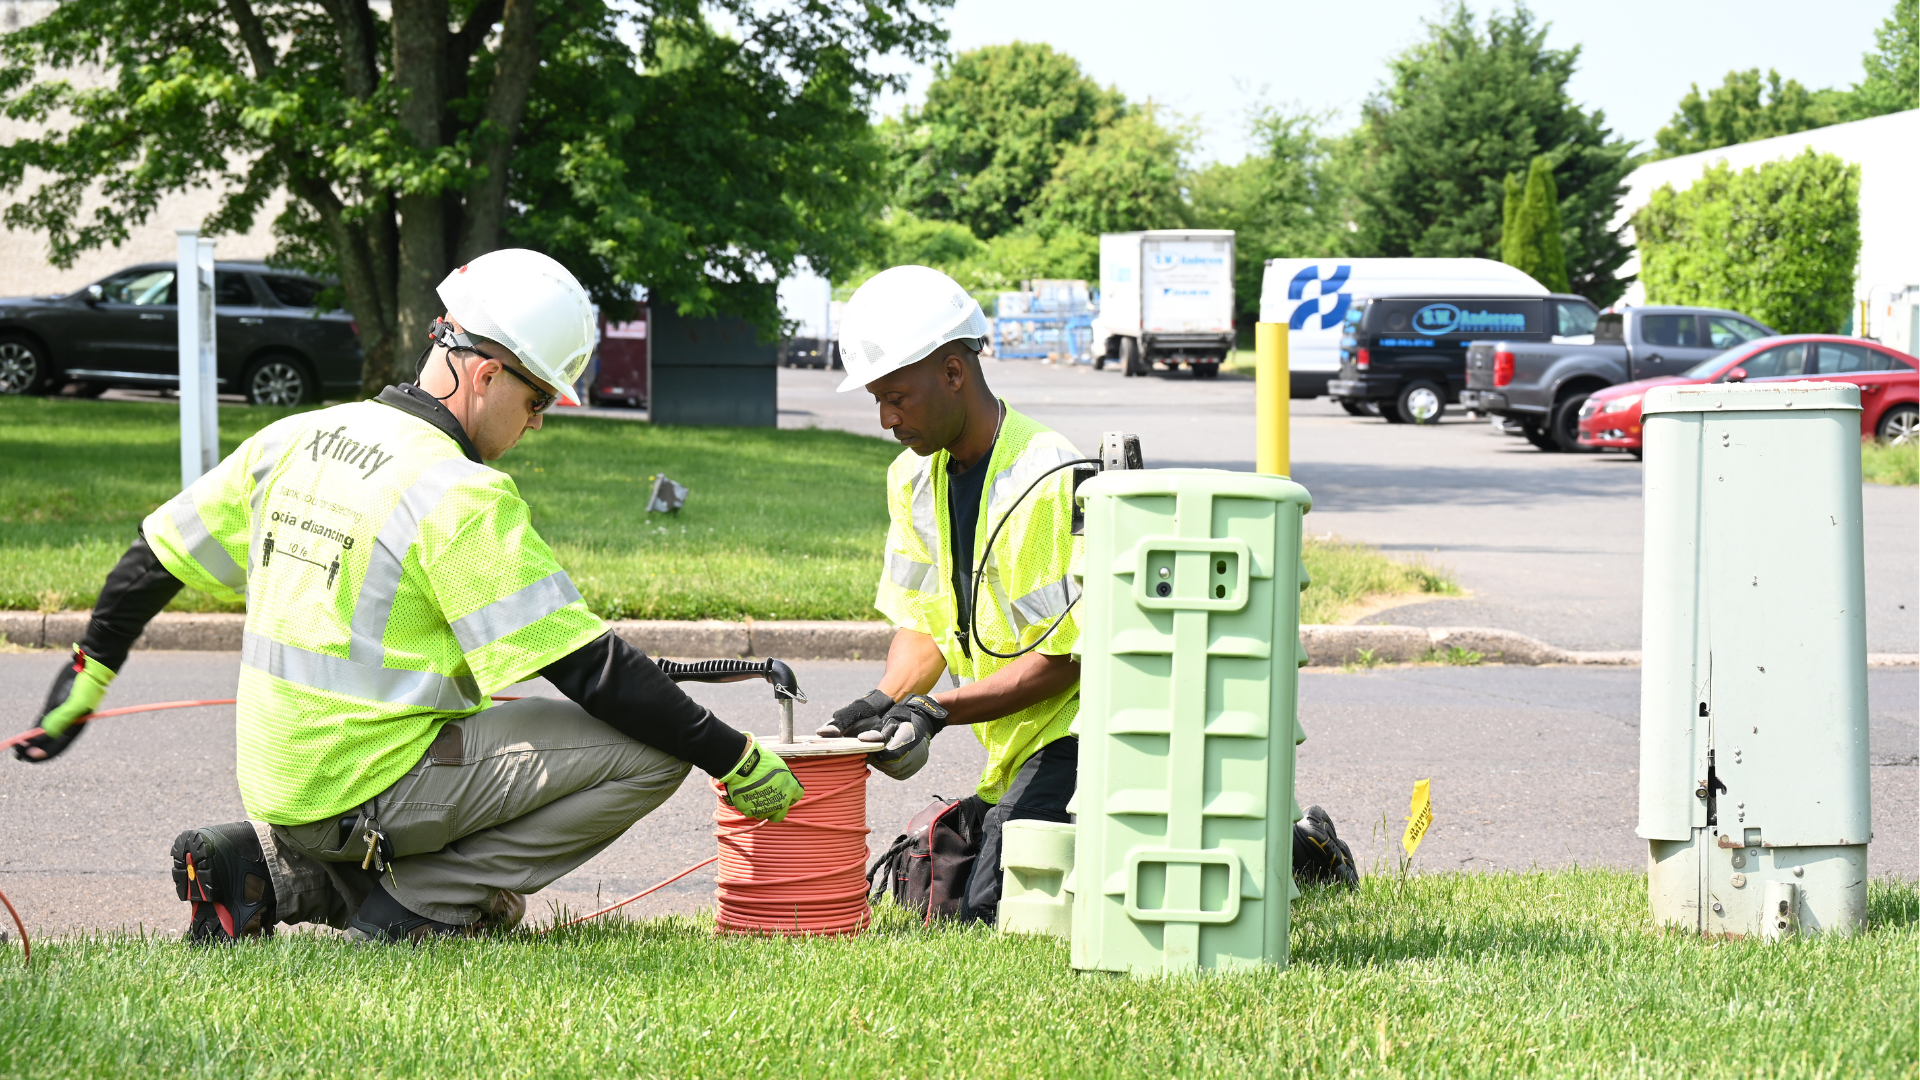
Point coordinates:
[[907, 730], [862, 715], [76, 691]]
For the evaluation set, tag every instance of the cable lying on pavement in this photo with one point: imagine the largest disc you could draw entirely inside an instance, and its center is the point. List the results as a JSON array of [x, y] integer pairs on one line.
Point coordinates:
[[130, 710]]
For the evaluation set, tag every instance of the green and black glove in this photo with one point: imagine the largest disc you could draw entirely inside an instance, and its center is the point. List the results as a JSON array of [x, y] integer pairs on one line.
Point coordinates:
[[863, 714], [78, 690], [762, 786], [907, 729]]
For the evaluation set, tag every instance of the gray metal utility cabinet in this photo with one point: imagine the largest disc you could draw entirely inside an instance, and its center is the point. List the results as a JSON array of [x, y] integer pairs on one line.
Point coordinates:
[[711, 372], [1753, 692]]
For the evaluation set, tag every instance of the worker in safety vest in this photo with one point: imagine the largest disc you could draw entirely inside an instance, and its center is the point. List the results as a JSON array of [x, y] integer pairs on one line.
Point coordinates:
[[978, 579], [393, 582]]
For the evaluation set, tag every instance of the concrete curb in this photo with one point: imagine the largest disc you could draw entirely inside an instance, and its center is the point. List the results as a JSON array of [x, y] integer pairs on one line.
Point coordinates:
[[1333, 646], [793, 639]]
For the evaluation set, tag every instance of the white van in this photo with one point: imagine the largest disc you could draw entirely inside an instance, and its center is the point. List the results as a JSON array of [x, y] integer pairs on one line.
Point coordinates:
[[1311, 297]]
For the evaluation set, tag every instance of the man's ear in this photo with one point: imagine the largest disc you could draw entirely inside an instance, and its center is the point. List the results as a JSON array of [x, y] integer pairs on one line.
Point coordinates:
[[481, 377], [953, 371]]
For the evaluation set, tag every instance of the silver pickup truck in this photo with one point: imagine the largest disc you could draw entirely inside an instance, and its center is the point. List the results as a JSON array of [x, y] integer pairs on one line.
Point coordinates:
[[1540, 386]]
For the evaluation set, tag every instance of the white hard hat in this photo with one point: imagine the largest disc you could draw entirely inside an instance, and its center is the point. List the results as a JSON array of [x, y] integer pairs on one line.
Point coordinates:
[[899, 317], [532, 305]]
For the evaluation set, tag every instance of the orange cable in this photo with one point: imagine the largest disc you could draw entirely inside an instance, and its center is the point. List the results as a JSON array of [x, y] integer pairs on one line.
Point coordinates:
[[805, 875], [748, 901], [26, 947]]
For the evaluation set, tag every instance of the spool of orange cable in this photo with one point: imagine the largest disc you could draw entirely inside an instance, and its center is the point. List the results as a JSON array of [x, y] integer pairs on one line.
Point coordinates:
[[805, 875]]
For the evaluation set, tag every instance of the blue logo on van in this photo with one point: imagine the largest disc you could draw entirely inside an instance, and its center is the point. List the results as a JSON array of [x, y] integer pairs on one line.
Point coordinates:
[[1336, 301], [1437, 319]]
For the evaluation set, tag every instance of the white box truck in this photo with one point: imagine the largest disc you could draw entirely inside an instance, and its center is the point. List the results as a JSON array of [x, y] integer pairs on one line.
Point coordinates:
[[1311, 297], [1166, 296]]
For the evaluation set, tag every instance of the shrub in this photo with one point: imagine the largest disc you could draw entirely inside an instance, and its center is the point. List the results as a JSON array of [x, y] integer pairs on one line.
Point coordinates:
[[1778, 241], [1530, 238]]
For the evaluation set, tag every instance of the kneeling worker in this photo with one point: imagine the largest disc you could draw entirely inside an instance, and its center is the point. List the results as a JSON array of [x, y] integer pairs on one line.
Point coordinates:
[[393, 582], [912, 337]]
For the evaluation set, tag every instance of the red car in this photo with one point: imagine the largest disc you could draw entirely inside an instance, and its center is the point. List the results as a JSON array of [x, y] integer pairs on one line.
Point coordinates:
[[1889, 382]]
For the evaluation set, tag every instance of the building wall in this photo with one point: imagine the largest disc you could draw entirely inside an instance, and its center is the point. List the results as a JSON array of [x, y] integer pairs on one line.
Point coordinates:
[[1887, 149], [24, 269]]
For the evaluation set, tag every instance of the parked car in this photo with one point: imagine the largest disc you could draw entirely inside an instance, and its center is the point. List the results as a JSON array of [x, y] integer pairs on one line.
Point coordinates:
[[273, 344], [1542, 385], [806, 352], [1888, 379], [1407, 355]]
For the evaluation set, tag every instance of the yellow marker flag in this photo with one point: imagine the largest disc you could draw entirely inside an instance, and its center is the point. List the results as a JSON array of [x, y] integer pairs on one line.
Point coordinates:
[[1419, 817]]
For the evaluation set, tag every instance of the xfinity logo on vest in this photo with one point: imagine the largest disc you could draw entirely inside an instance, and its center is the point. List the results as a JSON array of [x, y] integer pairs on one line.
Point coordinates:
[[333, 444]]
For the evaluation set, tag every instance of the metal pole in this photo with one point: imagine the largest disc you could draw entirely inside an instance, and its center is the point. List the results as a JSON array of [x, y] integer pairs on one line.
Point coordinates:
[[1273, 394], [786, 719], [186, 292], [209, 365]]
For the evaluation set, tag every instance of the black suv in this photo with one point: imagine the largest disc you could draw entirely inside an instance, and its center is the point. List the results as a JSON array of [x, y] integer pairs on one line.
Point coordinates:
[[122, 331], [1407, 355]]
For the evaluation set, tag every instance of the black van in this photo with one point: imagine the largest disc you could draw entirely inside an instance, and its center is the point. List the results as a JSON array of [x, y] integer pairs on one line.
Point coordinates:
[[1407, 355]]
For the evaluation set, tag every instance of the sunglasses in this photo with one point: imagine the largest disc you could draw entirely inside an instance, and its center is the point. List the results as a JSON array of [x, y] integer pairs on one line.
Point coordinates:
[[541, 399]]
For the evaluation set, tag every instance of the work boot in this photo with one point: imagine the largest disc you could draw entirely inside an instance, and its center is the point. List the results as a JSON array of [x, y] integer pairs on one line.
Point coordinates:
[[383, 919], [222, 871], [503, 913], [1319, 855]]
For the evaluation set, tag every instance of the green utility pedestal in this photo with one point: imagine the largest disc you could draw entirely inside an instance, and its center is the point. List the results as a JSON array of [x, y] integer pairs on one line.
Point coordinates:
[[1190, 645], [1755, 800]]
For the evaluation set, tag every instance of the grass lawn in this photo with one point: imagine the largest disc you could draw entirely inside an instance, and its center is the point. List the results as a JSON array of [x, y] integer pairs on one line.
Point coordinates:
[[779, 524], [1884, 464], [1540, 974]]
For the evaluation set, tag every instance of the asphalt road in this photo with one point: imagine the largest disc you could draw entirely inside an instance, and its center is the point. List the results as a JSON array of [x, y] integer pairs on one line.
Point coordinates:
[[1530, 766], [1549, 545]]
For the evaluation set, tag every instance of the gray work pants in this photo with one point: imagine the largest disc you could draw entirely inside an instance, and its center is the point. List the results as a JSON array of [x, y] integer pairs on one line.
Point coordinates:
[[510, 799]]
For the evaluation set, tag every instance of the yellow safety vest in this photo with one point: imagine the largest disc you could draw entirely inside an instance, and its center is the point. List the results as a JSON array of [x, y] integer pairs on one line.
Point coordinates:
[[391, 585], [1027, 584]]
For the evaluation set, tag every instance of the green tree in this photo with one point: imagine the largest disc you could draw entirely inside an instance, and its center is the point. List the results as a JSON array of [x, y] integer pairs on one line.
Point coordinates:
[[1460, 111], [1128, 176], [632, 142], [1746, 107], [1892, 71], [996, 123], [904, 238], [1778, 241], [1743, 108], [981, 267], [1281, 201], [1530, 241]]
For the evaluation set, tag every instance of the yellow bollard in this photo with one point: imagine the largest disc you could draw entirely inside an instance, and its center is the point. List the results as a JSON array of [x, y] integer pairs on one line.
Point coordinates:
[[1273, 396]]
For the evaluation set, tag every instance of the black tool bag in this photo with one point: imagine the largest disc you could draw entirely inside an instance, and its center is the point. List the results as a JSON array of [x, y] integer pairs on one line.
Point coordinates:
[[927, 868]]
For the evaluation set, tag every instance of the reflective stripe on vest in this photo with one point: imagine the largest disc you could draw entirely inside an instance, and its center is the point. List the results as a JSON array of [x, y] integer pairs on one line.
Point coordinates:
[[270, 442], [210, 553], [374, 605], [337, 674], [1046, 603], [510, 613]]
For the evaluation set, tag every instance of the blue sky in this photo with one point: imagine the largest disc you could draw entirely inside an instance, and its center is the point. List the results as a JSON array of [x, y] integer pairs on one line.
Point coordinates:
[[1211, 59]]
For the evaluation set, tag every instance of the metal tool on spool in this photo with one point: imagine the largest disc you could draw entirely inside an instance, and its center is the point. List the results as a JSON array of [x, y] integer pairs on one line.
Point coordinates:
[[786, 686]]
